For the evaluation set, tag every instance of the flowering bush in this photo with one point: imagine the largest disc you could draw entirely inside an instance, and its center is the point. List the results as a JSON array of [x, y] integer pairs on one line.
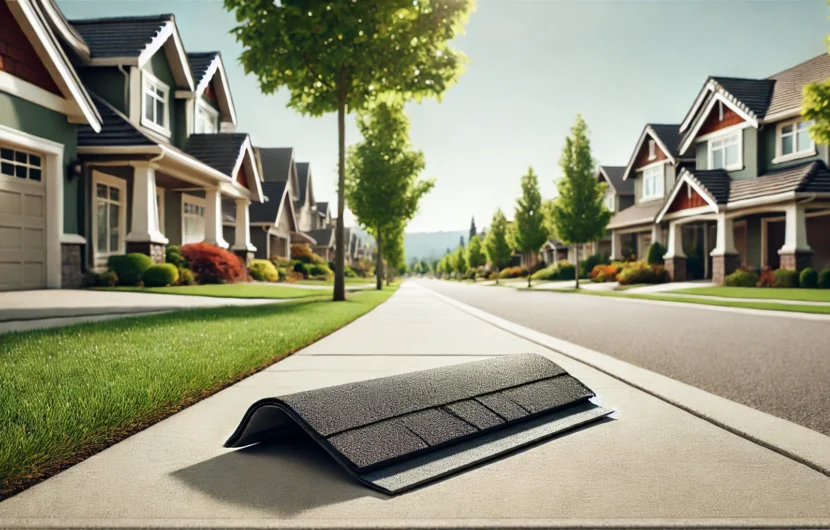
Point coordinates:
[[211, 264], [766, 278], [604, 273], [513, 272]]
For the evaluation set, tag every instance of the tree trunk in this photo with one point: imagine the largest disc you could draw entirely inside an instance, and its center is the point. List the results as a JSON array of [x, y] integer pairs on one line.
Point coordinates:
[[576, 270], [339, 255], [497, 275], [388, 276], [529, 268], [379, 264]]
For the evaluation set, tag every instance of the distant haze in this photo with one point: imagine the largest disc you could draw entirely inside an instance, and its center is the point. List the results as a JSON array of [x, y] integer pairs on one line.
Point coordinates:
[[430, 245]]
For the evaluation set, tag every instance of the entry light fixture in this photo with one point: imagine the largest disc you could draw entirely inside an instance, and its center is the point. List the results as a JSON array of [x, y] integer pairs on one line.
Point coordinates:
[[74, 170]]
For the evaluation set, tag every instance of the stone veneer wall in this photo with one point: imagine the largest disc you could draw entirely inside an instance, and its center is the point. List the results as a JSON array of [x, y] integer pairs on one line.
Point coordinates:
[[72, 273], [723, 266]]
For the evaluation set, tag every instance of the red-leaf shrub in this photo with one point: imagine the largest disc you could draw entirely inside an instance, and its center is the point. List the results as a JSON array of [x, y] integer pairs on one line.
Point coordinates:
[[211, 264], [767, 278]]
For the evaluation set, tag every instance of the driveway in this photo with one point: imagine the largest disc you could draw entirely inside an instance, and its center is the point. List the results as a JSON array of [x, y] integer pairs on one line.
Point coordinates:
[[21, 310], [778, 365]]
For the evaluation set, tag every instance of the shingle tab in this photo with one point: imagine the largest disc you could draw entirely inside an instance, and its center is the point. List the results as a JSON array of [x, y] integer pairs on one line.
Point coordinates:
[[120, 36], [116, 130], [755, 94], [266, 212], [219, 151], [788, 92], [436, 426], [475, 414], [199, 64]]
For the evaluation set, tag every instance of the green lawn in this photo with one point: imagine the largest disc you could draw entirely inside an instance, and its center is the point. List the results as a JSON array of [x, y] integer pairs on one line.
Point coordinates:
[[68, 393], [766, 293], [349, 281], [629, 286], [229, 290]]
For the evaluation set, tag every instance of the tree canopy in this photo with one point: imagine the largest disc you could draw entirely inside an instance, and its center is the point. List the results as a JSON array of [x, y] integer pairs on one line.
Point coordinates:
[[817, 108], [578, 213], [529, 231], [496, 247], [475, 254], [459, 261]]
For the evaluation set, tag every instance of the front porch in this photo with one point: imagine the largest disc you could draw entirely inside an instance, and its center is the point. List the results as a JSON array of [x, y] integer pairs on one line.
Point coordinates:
[[632, 243]]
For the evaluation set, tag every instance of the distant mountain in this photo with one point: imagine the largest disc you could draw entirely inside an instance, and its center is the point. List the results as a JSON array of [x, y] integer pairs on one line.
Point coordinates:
[[429, 245]]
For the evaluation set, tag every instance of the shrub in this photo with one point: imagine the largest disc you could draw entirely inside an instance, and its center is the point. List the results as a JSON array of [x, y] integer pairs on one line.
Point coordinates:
[[604, 273], [786, 278], [565, 270], [319, 269], [824, 279], [512, 272], [294, 276], [279, 261], [263, 270], [129, 267], [161, 275], [211, 264], [655, 254], [349, 272], [173, 254], [642, 272], [106, 279], [186, 277], [299, 266], [766, 278], [303, 252], [741, 278], [587, 265], [549, 274], [808, 279]]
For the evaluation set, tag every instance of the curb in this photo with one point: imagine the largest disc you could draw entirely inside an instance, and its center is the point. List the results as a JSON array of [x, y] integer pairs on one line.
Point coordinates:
[[798, 443]]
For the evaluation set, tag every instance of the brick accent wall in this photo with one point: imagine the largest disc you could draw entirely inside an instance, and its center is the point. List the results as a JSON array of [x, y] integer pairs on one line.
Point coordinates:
[[154, 250], [723, 266], [72, 274], [17, 55], [676, 267], [796, 261]]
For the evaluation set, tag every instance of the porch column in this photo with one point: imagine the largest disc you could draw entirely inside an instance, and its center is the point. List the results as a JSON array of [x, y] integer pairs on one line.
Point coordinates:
[[242, 246], [213, 219], [616, 245], [796, 253], [675, 259], [145, 236], [725, 258], [656, 233]]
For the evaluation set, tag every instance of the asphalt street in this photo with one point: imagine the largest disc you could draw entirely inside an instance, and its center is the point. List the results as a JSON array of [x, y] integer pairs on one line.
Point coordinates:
[[777, 365]]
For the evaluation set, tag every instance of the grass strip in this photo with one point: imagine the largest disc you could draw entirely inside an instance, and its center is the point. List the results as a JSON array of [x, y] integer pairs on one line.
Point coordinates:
[[68, 393], [766, 293], [229, 290]]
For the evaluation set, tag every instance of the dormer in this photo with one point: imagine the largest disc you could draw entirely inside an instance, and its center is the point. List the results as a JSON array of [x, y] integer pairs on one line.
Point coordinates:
[[620, 193], [654, 163], [278, 166], [210, 106], [138, 65]]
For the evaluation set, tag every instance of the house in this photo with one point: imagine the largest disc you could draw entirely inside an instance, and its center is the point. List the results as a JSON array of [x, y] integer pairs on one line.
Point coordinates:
[[553, 251], [305, 205], [758, 192], [324, 246], [619, 195], [42, 103], [326, 220], [651, 171]]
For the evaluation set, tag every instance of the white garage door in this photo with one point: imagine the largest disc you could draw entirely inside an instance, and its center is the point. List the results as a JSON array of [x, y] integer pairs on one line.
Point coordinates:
[[22, 220]]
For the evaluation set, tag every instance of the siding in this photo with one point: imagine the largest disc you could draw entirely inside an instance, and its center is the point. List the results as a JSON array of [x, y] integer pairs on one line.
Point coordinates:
[[259, 239], [768, 140], [38, 121], [159, 67], [17, 55], [109, 83]]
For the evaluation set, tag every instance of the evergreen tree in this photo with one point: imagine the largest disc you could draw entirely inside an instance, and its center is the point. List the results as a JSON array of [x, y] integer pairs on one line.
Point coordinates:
[[578, 213], [472, 229], [529, 232], [496, 248]]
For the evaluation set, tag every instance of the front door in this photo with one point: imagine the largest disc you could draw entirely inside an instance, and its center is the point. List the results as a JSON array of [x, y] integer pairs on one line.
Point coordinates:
[[109, 219]]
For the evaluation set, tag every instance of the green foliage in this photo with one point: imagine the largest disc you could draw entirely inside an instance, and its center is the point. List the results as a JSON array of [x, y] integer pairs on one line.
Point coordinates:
[[106, 279], [496, 247], [786, 278], [641, 272], [350, 272], [393, 249], [129, 267], [303, 253], [173, 254], [808, 279], [262, 270], [475, 254], [741, 278], [578, 214], [186, 277], [587, 265], [529, 232], [459, 261], [824, 279], [319, 269], [565, 270], [160, 275], [656, 251], [816, 106], [513, 272], [547, 274]]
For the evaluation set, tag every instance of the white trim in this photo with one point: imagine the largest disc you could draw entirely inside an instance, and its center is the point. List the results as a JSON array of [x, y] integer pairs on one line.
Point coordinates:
[[77, 45], [194, 201], [203, 106], [652, 145], [662, 179], [169, 30], [710, 159], [795, 155], [708, 86], [121, 185], [722, 132], [647, 130], [73, 239], [717, 96], [66, 78], [792, 113], [689, 212], [164, 129], [53, 175], [685, 176], [33, 93], [160, 200]]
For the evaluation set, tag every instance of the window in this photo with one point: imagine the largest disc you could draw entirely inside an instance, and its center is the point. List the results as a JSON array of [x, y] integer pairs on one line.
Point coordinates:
[[154, 104], [794, 141], [207, 119], [109, 219], [653, 182], [608, 200], [725, 152], [193, 219], [21, 165], [652, 153]]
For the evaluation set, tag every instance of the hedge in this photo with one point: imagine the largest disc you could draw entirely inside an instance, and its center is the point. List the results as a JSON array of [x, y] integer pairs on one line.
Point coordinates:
[[263, 270], [129, 267], [161, 275]]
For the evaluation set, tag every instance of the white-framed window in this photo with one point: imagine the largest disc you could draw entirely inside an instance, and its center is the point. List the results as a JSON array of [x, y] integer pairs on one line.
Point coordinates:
[[109, 216], [653, 177], [652, 150], [793, 140], [207, 119], [725, 152], [22, 165], [155, 104], [193, 219], [608, 200]]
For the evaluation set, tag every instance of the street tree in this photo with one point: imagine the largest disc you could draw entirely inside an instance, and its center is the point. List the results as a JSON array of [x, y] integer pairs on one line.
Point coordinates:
[[496, 247], [529, 231], [472, 229], [382, 186], [393, 250], [459, 262], [578, 214], [340, 56], [816, 107], [475, 254]]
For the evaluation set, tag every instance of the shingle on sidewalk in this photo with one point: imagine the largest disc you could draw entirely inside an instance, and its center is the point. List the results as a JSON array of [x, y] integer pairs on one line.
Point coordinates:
[[654, 465]]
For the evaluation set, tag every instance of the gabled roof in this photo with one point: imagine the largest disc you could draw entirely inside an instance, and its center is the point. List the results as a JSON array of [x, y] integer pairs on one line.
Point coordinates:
[[64, 29], [753, 94], [134, 40], [667, 137], [788, 92], [613, 175], [323, 207], [276, 163], [227, 153], [304, 178], [206, 67], [116, 130], [323, 236], [266, 212], [642, 213], [33, 20]]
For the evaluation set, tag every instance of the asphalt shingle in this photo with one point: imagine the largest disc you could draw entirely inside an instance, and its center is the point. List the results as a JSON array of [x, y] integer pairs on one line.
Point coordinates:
[[638, 214], [755, 94], [276, 163], [199, 64], [615, 176], [669, 134], [116, 129], [323, 236], [219, 151], [120, 36], [266, 212]]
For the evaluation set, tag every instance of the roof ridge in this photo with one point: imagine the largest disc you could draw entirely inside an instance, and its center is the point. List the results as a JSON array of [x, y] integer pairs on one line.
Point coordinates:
[[215, 52], [134, 18], [802, 63], [741, 78]]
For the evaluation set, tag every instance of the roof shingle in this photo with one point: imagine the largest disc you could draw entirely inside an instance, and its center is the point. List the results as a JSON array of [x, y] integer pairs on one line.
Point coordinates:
[[276, 163], [643, 213], [199, 64], [615, 176], [219, 151], [120, 36], [266, 212], [324, 236], [116, 129]]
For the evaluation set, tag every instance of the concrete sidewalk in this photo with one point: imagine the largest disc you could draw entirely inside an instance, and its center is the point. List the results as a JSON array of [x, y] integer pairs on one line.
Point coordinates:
[[654, 465]]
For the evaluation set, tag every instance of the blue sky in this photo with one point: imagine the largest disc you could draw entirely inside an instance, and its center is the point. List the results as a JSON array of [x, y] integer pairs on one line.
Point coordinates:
[[534, 64]]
